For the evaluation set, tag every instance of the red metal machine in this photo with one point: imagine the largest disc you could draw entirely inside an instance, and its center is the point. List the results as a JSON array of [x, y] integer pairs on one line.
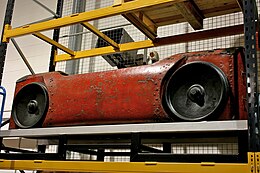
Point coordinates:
[[207, 85]]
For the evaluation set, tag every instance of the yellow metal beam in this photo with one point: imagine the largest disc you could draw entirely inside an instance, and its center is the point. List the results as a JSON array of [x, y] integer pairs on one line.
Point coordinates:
[[124, 167], [251, 162], [219, 32], [100, 34], [126, 7], [106, 50], [257, 162], [54, 43], [7, 27]]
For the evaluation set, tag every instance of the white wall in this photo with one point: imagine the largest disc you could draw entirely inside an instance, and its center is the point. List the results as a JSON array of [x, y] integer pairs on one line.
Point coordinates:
[[36, 51]]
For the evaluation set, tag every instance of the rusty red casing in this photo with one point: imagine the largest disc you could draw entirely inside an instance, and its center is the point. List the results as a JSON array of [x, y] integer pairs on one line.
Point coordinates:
[[132, 95]]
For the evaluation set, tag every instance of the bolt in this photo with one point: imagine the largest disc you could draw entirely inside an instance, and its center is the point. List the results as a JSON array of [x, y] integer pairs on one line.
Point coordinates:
[[32, 106], [196, 94], [195, 91]]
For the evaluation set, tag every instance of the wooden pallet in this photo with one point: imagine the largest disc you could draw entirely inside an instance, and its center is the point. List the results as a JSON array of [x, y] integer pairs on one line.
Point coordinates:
[[191, 11]]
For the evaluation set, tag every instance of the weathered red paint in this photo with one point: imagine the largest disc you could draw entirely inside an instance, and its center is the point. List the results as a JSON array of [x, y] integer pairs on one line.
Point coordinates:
[[131, 95]]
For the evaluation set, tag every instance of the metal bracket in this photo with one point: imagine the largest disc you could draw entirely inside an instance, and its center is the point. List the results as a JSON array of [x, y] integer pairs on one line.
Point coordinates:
[[5, 39]]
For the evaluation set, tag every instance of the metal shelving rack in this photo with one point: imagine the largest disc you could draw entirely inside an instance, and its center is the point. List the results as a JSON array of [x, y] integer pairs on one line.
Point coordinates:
[[136, 12]]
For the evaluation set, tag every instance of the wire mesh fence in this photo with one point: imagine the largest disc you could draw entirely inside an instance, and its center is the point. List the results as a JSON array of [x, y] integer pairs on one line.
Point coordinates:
[[112, 24]]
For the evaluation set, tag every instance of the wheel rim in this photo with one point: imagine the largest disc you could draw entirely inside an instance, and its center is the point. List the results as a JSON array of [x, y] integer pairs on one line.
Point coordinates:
[[196, 91], [30, 105]]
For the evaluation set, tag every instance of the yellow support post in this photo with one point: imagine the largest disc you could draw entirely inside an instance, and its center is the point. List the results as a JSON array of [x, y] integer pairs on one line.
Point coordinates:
[[54, 43], [257, 162], [251, 162]]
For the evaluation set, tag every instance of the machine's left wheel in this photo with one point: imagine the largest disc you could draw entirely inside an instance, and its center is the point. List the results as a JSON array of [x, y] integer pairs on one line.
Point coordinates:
[[30, 105]]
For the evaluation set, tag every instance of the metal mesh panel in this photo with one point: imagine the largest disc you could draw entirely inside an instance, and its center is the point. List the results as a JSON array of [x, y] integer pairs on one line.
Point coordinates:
[[209, 148], [89, 40], [51, 149], [201, 148], [67, 10], [79, 156], [117, 158], [222, 42]]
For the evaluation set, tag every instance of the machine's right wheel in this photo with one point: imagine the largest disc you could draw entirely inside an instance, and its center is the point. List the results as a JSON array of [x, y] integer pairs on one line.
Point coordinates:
[[196, 91]]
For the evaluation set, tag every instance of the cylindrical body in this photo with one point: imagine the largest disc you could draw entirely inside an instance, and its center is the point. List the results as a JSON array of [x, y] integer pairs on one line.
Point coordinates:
[[130, 95]]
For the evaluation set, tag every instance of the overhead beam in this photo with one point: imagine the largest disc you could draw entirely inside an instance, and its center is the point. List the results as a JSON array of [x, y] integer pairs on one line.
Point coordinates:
[[100, 34], [195, 36], [126, 7], [143, 23], [191, 13], [54, 43]]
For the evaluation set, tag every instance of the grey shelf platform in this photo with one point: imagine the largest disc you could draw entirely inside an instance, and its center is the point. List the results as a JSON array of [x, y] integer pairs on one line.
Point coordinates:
[[173, 127]]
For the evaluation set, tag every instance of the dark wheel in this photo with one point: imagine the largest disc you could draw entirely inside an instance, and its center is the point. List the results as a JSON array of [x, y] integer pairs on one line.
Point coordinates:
[[196, 91], [30, 105]]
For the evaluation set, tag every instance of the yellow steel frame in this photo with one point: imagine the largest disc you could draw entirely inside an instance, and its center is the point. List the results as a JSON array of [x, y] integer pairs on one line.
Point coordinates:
[[119, 7], [106, 50], [220, 32], [122, 7], [131, 167], [257, 162], [126, 7], [129, 9]]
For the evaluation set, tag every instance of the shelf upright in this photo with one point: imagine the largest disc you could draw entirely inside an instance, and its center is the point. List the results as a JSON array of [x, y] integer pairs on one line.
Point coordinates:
[[250, 23], [3, 46], [56, 35]]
